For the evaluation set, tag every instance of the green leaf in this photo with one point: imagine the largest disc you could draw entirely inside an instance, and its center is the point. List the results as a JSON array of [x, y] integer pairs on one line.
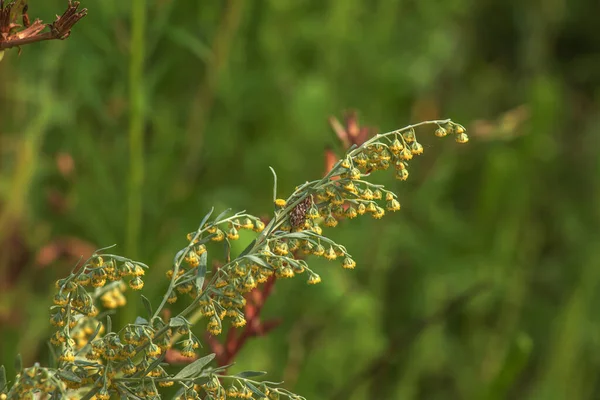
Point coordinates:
[[274, 184], [201, 273], [2, 378], [254, 389], [224, 213], [295, 235], [140, 321], [206, 217], [52, 357], [147, 306], [250, 374], [96, 332], [90, 394], [108, 324], [68, 375], [151, 366], [247, 249], [178, 321], [195, 367], [18, 363], [179, 255], [258, 260]]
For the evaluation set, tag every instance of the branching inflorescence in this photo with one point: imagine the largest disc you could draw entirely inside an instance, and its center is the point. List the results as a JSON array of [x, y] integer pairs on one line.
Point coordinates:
[[95, 362]]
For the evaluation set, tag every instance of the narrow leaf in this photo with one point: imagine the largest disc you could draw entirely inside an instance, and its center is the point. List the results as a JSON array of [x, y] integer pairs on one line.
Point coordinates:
[[96, 332], [90, 394], [247, 249], [151, 366], [254, 389], [274, 184], [108, 324], [68, 375], [52, 358], [206, 217], [250, 374], [295, 235], [179, 255], [258, 260], [224, 213], [147, 306], [195, 367], [177, 321], [2, 378], [201, 273]]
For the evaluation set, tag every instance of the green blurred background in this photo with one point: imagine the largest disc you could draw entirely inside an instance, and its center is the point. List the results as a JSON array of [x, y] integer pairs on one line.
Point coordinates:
[[484, 286]]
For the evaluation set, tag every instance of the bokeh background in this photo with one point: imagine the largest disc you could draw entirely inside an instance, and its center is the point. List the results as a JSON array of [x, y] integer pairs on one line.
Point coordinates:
[[484, 286]]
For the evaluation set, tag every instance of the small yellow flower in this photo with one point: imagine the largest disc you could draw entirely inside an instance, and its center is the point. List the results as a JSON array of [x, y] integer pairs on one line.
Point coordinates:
[[239, 320], [136, 283], [172, 299], [330, 221], [313, 279], [348, 263], [361, 209], [416, 148], [249, 282], [406, 154], [361, 159], [67, 355], [233, 234], [462, 138], [247, 224], [216, 330], [153, 350], [330, 254], [409, 136], [349, 186], [281, 248], [285, 272], [350, 212], [200, 249], [367, 194], [84, 279], [440, 132], [138, 270], [259, 226], [393, 205], [218, 236], [280, 203], [354, 174], [371, 207], [319, 250], [379, 212], [402, 174], [61, 299]]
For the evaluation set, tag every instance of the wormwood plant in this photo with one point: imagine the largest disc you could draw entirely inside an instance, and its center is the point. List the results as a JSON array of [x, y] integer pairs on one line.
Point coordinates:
[[93, 361]]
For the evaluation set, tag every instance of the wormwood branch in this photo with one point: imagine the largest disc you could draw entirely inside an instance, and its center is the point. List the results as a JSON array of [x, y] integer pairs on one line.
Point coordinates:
[[14, 34], [96, 361]]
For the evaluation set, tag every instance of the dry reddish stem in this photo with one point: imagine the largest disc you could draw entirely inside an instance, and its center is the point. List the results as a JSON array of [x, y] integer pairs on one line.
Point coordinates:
[[237, 337], [60, 29]]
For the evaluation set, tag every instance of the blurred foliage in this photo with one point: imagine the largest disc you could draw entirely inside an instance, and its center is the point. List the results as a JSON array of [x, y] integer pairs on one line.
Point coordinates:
[[95, 150]]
